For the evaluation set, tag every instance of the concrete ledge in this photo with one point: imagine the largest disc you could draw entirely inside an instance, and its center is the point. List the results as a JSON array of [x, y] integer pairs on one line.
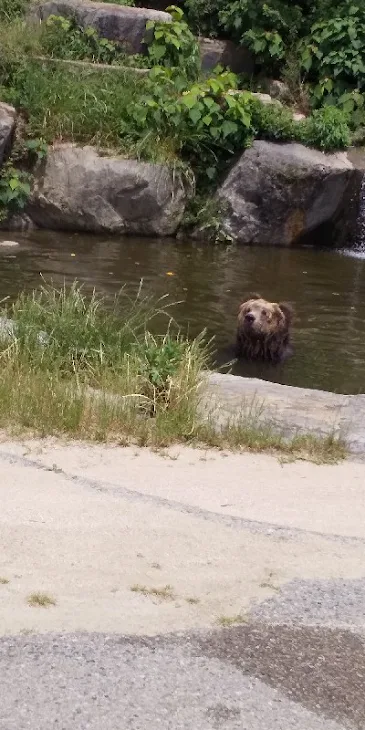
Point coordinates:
[[288, 409]]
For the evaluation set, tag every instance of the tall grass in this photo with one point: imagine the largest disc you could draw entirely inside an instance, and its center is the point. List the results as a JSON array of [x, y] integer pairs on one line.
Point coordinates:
[[10, 9], [83, 106], [98, 372], [73, 104]]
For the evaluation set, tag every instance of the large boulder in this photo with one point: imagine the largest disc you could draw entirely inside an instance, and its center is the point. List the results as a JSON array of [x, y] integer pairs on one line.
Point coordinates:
[[215, 52], [7, 126], [78, 189], [280, 194], [119, 23]]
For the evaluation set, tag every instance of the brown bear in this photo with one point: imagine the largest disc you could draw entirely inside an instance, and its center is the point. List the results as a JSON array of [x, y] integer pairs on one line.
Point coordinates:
[[263, 330]]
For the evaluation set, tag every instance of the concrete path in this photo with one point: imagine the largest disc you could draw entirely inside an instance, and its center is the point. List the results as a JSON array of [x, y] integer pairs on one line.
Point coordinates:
[[145, 556]]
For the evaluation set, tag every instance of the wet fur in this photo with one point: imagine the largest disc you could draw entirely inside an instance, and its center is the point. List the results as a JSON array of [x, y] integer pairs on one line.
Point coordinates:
[[273, 346]]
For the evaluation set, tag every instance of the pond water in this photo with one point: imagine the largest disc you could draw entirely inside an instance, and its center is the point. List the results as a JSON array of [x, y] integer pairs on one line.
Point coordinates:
[[326, 287]]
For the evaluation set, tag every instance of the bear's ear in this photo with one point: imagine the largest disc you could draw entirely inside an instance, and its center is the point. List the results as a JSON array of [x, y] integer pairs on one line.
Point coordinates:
[[287, 311]]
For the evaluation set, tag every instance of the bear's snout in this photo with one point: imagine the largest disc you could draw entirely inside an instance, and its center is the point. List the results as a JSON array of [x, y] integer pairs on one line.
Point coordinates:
[[249, 317]]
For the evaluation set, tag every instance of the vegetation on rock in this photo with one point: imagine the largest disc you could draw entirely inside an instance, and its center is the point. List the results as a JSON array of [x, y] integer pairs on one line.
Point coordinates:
[[174, 112]]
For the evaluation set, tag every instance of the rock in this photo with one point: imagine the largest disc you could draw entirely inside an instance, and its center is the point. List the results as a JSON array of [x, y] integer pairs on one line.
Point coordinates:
[[116, 22], [279, 194], [298, 117], [7, 126], [8, 331], [17, 222], [78, 189], [278, 90], [7, 328], [289, 410], [265, 98], [225, 53], [8, 244]]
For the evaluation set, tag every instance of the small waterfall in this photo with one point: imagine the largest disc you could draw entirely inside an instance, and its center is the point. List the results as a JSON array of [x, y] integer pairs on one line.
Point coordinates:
[[358, 248]]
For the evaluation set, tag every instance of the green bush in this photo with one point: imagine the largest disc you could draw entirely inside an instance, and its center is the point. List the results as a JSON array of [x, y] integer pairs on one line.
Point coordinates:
[[203, 16], [335, 53], [10, 9], [63, 38], [210, 121], [271, 121], [173, 45], [14, 190], [266, 27], [325, 37], [16, 176], [206, 120], [326, 129]]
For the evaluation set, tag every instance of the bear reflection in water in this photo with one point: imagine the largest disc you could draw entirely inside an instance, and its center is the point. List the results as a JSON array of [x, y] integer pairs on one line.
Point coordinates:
[[263, 330]]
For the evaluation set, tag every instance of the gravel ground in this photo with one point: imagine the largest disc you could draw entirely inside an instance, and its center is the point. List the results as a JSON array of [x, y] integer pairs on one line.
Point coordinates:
[[237, 679], [334, 603]]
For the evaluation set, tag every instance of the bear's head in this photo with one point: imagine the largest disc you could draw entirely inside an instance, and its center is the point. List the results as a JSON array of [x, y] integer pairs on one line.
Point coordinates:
[[259, 318]]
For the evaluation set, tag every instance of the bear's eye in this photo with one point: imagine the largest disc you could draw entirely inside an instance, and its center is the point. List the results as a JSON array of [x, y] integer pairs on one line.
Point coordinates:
[[264, 312]]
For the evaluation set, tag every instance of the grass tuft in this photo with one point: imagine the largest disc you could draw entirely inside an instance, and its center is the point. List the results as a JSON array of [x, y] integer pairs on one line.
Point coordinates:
[[40, 600], [192, 600], [232, 620], [164, 594]]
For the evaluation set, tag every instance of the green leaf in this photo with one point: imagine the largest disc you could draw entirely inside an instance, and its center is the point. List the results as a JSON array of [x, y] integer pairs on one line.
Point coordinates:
[[26, 188], [188, 100], [207, 120], [306, 63], [229, 128], [14, 183], [158, 51], [195, 115]]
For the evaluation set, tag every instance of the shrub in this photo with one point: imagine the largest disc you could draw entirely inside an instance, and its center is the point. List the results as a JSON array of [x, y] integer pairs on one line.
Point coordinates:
[[207, 122], [271, 121], [16, 177], [268, 28], [14, 190], [203, 16], [10, 9], [326, 129], [63, 38], [328, 37], [173, 45], [334, 52]]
